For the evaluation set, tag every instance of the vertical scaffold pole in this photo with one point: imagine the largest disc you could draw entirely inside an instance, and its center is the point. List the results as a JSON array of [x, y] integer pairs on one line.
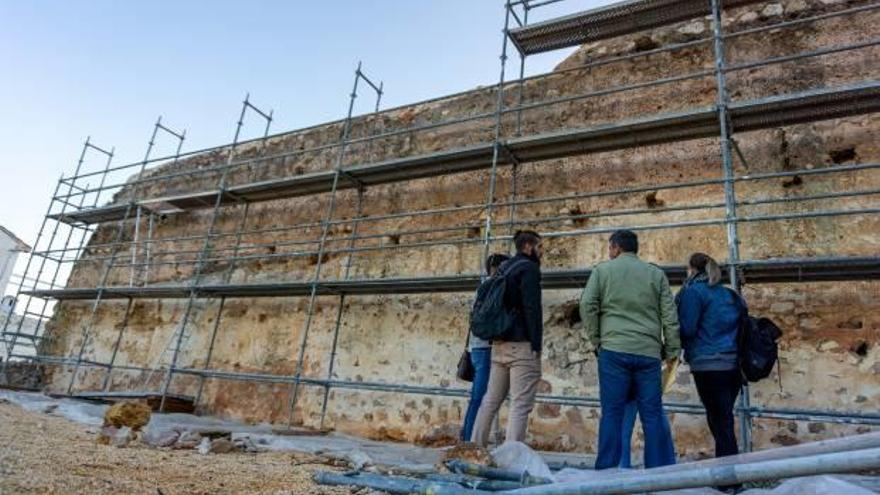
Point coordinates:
[[71, 184], [496, 147], [514, 172], [85, 232], [206, 247], [130, 305], [10, 344], [729, 196], [325, 229], [341, 309], [348, 263], [117, 243], [227, 277]]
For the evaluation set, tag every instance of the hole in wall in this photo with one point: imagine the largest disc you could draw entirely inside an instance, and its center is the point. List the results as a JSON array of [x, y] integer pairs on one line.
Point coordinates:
[[860, 348], [577, 215], [573, 314], [851, 324], [653, 201], [843, 155], [645, 43], [793, 182]]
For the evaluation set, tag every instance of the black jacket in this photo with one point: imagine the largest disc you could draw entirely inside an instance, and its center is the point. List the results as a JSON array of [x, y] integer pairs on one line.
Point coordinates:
[[523, 296]]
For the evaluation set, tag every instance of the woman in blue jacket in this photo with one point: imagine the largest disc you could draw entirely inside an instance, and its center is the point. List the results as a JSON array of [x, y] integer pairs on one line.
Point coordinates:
[[709, 315]]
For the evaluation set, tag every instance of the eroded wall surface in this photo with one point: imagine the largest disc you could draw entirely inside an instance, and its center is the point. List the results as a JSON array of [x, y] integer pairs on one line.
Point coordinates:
[[830, 353]]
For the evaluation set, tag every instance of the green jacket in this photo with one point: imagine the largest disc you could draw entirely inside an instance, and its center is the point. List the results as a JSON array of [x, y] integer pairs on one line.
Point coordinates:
[[627, 306]]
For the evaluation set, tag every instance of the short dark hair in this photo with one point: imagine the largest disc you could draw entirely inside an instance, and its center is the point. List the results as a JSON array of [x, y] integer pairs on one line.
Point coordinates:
[[495, 260], [524, 238], [626, 240]]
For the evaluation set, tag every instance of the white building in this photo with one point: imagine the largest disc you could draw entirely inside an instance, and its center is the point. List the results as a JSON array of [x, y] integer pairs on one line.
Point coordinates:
[[10, 246]]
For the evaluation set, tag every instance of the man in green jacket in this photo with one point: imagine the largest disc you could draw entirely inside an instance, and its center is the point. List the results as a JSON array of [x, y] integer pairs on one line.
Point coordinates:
[[630, 317]]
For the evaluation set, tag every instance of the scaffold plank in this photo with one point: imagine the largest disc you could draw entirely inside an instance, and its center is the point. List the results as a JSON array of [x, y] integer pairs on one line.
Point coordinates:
[[606, 22], [765, 113], [753, 272]]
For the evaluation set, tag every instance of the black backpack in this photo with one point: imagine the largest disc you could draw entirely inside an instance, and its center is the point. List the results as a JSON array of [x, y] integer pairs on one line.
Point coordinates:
[[490, 319], [757, 346]]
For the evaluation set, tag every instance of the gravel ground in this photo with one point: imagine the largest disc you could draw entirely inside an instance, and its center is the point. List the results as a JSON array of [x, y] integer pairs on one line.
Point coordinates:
[[42, 453]]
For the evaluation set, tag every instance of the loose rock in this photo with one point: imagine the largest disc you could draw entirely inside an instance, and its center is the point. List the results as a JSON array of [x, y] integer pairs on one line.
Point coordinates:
[[188, 440], [748, 17], [221, 446], [155, 437], [134, 415], [358, 459], [117, 437], [468, 452], [772, 10], [245, 444], [693, 28]]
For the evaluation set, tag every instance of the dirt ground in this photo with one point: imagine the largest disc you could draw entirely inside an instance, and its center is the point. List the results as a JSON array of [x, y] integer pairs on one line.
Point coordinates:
[[42, 453]]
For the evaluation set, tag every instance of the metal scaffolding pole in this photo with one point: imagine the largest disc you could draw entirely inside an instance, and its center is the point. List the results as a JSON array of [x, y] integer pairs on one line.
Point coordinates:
[[10, 345], [325, 229], [496, 145], [86, 146], [206, 247], [726, 116], [130, 306], [108, 267], [341, 309], [348, 263], [239, 232], [723, 100]]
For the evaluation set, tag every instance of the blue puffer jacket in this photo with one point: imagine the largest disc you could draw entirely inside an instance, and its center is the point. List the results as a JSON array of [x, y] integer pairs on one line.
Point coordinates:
[[709, 318]]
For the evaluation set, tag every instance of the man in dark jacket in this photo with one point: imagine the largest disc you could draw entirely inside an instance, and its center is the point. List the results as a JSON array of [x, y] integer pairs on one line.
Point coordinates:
[[516, 357]]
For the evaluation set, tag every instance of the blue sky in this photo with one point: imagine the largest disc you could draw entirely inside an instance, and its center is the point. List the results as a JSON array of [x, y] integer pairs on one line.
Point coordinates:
[[107, 69]]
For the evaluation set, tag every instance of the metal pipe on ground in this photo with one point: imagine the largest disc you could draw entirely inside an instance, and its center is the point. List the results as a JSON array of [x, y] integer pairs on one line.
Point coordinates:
[[695, 477], [493, 473], [394, 485], [834, 445], [474, 483]]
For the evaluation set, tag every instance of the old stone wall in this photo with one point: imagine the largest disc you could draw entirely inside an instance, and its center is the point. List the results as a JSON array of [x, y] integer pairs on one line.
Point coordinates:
[[830, 353]]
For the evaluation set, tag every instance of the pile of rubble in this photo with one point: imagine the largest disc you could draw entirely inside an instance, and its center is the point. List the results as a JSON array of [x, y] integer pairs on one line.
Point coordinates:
[[124, 423]]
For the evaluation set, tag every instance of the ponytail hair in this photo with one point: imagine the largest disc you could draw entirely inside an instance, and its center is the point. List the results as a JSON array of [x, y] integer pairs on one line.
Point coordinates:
[[705, 264]]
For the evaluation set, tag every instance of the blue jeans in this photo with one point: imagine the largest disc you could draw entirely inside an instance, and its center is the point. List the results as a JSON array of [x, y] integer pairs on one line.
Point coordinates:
[[481, 358], [629, 423], [623, 378]]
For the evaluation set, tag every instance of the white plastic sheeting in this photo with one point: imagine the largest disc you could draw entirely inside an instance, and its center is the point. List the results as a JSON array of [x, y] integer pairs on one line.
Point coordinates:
[[814, 485], [518, 457]]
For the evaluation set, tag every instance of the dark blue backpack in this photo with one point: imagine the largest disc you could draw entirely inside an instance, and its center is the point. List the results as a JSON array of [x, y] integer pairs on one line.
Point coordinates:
[[490, 318]]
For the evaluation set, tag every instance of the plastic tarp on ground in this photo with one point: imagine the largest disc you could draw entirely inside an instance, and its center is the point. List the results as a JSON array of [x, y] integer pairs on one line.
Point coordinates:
[[360, 452], [513, 456]]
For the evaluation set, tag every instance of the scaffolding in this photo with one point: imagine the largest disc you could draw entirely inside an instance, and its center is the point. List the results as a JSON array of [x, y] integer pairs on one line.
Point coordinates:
[[239, 170]]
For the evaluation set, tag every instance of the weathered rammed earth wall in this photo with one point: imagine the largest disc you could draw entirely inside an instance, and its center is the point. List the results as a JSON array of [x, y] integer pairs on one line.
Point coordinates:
[[830, 353]]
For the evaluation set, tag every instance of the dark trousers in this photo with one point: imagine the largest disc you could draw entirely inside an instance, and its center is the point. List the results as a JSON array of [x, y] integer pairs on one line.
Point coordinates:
[[481, 358], [718, 391], [624, 378]]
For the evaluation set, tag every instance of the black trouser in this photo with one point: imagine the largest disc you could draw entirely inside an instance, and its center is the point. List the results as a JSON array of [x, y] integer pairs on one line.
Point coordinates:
[[718, 391]]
